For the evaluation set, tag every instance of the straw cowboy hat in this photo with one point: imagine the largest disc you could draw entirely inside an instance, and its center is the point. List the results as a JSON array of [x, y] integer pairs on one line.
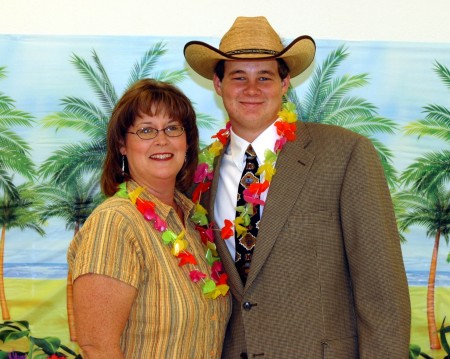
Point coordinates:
[[250, 38]]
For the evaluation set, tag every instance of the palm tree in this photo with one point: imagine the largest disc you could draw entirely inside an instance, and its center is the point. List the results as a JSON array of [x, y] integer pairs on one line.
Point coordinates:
[[400, 208], [432, 169], [73, 204], [431, 210], [14, 151], [326, 101], [73, 160], [20, 212]]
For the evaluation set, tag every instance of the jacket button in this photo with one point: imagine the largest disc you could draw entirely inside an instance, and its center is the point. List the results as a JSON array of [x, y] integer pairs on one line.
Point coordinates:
[[247, 305]]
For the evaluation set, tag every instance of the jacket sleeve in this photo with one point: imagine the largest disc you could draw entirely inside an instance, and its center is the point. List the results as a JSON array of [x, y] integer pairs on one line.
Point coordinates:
[[374, 255]]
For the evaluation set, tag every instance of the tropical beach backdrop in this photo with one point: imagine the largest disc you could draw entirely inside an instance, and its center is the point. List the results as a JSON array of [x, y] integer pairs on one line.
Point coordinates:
[[56, 96]]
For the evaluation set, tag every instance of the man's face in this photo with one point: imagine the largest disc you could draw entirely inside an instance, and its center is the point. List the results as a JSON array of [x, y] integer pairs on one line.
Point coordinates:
[[251, 92]]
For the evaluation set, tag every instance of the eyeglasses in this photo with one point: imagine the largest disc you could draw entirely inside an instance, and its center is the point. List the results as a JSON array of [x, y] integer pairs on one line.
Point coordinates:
[[148, 133]]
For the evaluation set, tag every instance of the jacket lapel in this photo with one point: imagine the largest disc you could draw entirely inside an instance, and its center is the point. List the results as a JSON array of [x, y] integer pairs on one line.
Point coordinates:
[[293, 165], [292, 168]]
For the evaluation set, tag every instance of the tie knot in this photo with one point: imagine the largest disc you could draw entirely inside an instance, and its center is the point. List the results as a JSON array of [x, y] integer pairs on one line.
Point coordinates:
[[250, 152], [251, 161]]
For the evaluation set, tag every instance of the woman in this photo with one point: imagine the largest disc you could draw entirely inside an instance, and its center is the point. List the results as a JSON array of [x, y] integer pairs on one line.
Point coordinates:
[[143, 286]]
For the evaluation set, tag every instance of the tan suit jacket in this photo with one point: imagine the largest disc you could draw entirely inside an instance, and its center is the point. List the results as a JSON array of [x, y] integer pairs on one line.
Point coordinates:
[[327, 278]]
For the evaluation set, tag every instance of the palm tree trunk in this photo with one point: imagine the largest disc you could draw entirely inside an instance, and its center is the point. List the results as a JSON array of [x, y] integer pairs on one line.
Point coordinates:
[[3, 303], [431, 318], [69, 296]]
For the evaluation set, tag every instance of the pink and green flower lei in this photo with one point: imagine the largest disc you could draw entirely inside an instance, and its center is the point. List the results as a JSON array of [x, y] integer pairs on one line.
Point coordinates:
[[286, 130], [212, 287]]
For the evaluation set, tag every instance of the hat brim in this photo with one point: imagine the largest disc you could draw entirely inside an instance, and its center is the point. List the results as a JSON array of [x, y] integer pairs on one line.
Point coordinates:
[[203, 58]]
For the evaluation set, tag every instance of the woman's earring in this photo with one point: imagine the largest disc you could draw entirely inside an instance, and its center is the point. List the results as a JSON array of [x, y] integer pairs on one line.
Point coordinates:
[[123, 165]]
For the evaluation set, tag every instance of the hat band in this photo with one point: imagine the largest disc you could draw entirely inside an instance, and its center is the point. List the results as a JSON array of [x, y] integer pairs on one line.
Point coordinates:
[[252, 51]]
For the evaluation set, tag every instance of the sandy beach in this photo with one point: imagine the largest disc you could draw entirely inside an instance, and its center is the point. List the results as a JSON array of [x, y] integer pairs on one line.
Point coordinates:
[[419, 328], [42, 302]]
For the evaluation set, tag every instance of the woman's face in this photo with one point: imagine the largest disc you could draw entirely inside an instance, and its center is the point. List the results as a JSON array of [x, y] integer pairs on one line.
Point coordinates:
[[154, 162]]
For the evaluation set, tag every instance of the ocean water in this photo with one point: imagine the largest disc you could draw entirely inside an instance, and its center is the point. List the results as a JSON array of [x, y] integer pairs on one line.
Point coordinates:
[[420, 278], [36, 270], [59, 271]]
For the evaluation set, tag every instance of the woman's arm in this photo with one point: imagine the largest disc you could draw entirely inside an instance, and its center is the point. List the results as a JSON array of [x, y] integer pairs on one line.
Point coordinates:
[[101, 306]]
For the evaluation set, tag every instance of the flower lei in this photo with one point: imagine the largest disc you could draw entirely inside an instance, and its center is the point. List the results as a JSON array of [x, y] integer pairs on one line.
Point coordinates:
[[204, 174], [211, 288]]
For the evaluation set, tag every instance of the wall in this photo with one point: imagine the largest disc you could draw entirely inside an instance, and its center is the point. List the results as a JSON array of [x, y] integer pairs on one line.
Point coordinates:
[[386, 20]]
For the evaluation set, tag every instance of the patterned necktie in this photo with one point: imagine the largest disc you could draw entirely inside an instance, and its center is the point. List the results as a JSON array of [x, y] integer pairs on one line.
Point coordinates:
[[246, 243]]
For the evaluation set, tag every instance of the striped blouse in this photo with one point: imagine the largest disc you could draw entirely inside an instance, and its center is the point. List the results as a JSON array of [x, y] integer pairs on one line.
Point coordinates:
[[171, 318]]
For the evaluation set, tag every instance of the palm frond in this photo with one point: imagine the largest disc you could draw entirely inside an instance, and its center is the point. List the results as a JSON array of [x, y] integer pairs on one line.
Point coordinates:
[[343, 84], [74, 203], [72, 161], [353, 106], [336, 90], [100, 85], [109, 96], [14, 154], [429, 209], [14, 117], [10, 141], [51, 192], [443, 72], [6, 102], [2, 72], [143, 68], [21, 165], [363, 125], [435, 124], [22, 212], [440, 114], [321, 78], [207, 122], [7, 184], [86, 109], [437, 120], [83, 119], [27, 223], [14, 151], [400, 209], [173, 77], [429, 171]]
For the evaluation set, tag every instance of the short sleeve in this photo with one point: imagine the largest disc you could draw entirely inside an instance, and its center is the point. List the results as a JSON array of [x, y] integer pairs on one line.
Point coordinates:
[[107, 245]]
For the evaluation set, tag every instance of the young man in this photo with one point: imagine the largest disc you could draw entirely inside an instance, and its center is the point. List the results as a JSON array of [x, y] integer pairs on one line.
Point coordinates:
[[315, 264]]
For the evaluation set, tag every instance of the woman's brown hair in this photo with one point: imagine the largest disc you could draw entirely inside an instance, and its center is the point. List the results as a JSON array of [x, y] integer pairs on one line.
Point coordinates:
[[151, 97]]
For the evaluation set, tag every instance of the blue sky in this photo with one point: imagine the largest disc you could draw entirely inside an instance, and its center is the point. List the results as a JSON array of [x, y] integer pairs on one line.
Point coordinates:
[[40, 74]]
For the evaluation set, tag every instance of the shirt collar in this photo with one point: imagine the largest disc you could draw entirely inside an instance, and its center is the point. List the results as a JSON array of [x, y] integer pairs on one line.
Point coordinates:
[[266, 140]]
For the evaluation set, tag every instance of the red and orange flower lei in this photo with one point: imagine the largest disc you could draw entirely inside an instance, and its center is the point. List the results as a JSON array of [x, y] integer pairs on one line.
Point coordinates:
[[286, 129]]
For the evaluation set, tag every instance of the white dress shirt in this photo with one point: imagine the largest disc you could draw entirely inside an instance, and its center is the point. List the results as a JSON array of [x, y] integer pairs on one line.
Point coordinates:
[[231, 169]]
